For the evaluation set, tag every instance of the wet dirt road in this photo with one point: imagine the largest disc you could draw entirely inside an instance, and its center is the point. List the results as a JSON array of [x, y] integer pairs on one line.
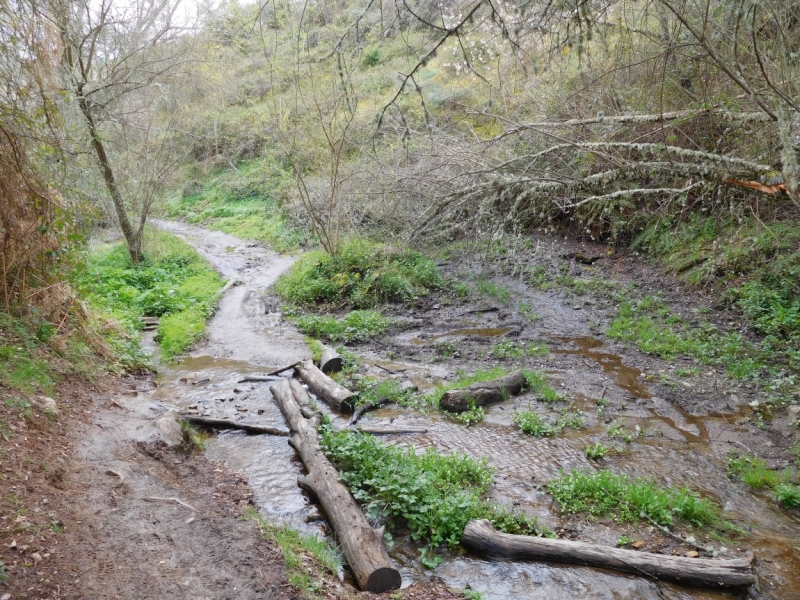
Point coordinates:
[[681, 430]]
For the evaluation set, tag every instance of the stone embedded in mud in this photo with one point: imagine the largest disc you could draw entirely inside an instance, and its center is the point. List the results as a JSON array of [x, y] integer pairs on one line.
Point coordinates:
[[168, 429], [47, 404], [692, 554]]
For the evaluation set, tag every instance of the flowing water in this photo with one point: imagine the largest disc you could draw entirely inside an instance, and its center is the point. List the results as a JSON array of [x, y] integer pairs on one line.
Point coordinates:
[[669, 443]]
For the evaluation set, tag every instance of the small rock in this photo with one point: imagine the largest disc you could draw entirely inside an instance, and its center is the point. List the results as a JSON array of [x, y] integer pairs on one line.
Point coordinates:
[[169, 430], [690, 540], [13, 544], [407, 385], [692, 554], [637, 545], [47, 405], [241, 408], [5, 597], [36, 557], [794, 410]]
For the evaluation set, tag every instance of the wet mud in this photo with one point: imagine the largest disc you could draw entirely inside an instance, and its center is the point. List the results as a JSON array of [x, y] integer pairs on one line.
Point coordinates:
[[679, 429]]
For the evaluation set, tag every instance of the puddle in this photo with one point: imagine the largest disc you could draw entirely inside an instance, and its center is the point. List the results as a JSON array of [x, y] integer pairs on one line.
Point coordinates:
[[476, 331], [627, 377]]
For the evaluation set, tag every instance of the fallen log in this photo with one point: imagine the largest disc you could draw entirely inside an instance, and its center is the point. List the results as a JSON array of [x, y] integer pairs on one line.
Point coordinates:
[[330, 362], [482, 538], [366, 408], [225, 424], [362, 545], [326, 388], [483, 393]]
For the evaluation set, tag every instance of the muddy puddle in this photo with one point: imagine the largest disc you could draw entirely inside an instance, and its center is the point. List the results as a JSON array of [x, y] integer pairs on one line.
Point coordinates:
[[666, 441]]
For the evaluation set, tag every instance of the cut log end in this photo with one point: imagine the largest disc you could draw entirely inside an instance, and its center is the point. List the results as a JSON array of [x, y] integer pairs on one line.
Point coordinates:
[[384, 580], [330, 362]]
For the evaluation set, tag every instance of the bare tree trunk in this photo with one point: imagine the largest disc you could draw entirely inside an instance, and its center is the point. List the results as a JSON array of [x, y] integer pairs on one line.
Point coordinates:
[[133, 239]]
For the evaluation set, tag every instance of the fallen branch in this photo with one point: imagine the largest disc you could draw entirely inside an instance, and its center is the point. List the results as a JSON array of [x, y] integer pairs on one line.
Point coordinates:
[[361, 410], [173, 500], [225, 424], [259, 378], [361, 544], [286, 368], [482, 538]]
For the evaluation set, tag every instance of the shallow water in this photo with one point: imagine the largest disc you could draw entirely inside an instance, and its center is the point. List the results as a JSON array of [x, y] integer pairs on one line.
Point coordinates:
[[676, 447]]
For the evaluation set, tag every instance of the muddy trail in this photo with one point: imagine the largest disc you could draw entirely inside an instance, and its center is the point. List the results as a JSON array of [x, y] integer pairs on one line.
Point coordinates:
[[677, 430]]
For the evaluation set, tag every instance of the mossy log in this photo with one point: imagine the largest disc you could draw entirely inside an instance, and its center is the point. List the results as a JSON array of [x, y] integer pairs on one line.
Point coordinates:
[[362, 545], [482, 538], [483, 393], [326, 388]]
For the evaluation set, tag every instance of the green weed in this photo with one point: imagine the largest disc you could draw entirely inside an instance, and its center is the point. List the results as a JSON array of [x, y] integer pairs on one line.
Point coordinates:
[[597, 451], [617, 430], [371, 392], [470, 594], [526, 310], [490, 288], [534, 424], [508, 349], [628, 499], [435, 495], [192, 439], [362, 275], [474, 415], [355, 326], [624, 540], [788, 495], [21, 406], [303, 574], [537, 383], [461, 290]]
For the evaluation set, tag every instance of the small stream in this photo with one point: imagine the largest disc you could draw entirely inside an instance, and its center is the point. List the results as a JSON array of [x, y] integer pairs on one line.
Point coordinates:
[[670, 443]]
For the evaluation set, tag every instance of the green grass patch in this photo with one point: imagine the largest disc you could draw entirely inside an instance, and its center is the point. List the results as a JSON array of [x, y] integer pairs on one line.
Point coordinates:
[[305, 557], [434, 495], [754, 472], [173, 282], [24, 364], [537, 383], [650, 325], [628, 499], [490, 288], [355, 326], [508, 349], [362, 275], [596, 451], [245, 202]]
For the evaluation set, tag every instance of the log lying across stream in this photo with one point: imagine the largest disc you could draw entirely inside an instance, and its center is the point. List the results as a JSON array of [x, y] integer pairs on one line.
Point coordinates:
[[483, 393], [326, 388], [225, 424], [362, 545], [482, 538]]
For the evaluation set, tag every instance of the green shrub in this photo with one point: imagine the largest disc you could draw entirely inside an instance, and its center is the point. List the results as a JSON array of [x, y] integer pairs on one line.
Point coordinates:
[[596, 451], [362, 275], [788, 495], [355, 326], [435, 495]]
